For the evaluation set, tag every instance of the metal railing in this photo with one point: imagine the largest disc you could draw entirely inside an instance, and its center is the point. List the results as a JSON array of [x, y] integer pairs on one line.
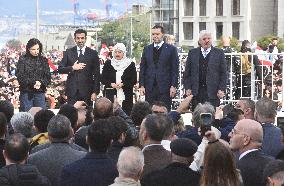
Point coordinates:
[[261, 73]]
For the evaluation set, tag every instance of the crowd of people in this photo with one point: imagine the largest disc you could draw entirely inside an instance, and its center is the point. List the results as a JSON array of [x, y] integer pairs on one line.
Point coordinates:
[[111, 140]]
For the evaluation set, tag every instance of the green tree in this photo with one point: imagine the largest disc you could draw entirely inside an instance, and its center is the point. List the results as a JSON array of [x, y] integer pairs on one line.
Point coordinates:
[[14, 44], [120, 31], [234, 43], [266, 40]]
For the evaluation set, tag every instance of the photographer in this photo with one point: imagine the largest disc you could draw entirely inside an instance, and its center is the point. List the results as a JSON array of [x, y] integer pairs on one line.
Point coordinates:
[[202, 118]]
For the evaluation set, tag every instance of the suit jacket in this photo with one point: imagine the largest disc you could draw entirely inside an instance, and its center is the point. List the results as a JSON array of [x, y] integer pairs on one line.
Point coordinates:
[[252, 166], [51, 161], [94, 169], [156, 157], [165, 72], [272, 139], [85, 80], [174, 174], [216, 77]]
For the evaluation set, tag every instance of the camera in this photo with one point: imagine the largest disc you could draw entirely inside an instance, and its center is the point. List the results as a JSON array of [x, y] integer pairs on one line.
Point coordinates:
[[206, 122]]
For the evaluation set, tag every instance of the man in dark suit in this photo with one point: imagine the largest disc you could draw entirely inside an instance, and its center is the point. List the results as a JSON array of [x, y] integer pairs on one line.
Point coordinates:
[[178, 172], [205, 73], [82, 65], [246, 138], [158, 78], [50, 161], [152, 131], [96, 168]]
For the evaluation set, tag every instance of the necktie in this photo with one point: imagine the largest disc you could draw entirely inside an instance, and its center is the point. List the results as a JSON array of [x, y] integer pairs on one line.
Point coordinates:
[[80, 58], [157, 47], [204, 53]]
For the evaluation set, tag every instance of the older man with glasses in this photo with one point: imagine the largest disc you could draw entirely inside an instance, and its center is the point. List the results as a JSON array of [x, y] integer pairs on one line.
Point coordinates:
[[246, 138]]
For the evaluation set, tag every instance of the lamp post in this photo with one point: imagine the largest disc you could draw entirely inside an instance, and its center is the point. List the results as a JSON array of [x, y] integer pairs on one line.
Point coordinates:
[[131, 35], [37, 19]]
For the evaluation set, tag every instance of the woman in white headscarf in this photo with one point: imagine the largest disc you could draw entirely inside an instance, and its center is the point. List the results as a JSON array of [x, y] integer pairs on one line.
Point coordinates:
[[119, 76]]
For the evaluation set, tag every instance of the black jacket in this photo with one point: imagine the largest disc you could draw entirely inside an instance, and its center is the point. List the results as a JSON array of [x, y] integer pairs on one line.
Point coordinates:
[[31, 69], [22, 175], [85, 80], [174, 174]]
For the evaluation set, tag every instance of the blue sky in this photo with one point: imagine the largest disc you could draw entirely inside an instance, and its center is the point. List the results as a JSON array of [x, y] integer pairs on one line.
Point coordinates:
[[27, 7]]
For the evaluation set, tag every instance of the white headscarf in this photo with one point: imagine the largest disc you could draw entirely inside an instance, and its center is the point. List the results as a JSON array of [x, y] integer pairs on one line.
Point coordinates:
[[120, 66]]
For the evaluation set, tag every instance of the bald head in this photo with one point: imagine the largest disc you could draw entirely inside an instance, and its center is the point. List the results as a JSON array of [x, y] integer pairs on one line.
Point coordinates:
[[246, 135], [226, 41], [130, 163], [252, 128], [103, 108]]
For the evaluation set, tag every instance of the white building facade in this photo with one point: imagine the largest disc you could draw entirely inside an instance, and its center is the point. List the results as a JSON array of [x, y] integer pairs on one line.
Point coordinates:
[[242, 19]]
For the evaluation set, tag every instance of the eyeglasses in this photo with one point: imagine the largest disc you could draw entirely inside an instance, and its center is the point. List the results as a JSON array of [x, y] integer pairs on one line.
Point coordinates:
[[234, 132]]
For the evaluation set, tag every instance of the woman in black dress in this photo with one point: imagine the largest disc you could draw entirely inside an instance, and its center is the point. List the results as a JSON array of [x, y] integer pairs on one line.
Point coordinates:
[[119, 76]]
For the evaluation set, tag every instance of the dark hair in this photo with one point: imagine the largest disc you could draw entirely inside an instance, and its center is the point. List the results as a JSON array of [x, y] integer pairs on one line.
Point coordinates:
[[41, 119], [160, 104], [7, 108], [159, 27], [243, 47], [219, 166], [80, 31], [118, 126], [103, 108], [3, 124], [16, 147], [235, 114], [273, 168], [58, 128], [139, 111], [99, 135], [278, 82], [89, 116], [157, 126], [70, 112], [32, 42]]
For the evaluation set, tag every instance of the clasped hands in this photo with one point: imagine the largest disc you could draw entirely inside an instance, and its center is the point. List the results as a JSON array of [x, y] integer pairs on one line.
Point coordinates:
[[37, 85], [116, 85]]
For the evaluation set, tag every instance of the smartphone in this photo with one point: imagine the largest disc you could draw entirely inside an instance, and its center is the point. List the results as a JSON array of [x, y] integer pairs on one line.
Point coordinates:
[[206, 122]]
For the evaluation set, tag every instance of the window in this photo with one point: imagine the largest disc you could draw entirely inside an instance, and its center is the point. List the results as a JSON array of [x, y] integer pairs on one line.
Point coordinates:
[[219, 7], [202, 26], [188, 7], [236, 7], [188, 30], [219, 30], [236, 29], [202, 7]]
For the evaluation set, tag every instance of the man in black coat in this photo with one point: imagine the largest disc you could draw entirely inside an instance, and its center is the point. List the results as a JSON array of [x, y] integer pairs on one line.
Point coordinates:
[[246, 138], [82, 65], [205, 75], [16, 171], [178, 172], [96, 168]]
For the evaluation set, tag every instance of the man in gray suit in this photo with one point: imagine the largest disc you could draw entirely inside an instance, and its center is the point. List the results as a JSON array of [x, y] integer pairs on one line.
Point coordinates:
[[205, 73], [50, 161]]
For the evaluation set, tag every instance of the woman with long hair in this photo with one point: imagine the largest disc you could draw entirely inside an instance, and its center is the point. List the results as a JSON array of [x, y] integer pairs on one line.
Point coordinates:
[[219, 166], [33, 75]]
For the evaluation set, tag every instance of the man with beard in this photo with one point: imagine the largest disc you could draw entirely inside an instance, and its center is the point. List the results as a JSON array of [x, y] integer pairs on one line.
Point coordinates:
[[82, 65]]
